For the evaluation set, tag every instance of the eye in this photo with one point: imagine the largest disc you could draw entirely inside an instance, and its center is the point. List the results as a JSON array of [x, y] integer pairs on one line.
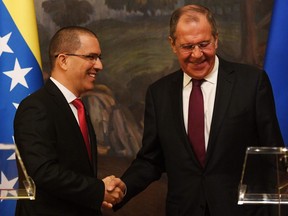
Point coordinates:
[[188, 47], [203, 44], [97, 57], [91, 57]]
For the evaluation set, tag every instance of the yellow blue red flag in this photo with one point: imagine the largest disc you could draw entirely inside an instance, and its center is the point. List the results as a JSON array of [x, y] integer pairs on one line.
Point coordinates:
[[20, 75], [276, 62]]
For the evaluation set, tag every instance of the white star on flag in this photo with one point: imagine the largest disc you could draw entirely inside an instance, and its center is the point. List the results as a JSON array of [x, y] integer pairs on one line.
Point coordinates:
[[16, 105], [12, 157], [6, 185], [4, 44], [18, 75]]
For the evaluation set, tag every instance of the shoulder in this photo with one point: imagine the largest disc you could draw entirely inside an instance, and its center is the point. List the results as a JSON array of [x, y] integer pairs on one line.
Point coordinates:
[[40, 98], [238, 67], [241, 70], [244, 74]]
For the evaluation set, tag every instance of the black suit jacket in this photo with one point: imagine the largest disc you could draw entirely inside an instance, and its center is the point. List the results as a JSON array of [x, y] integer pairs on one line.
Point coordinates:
[[53, 150], [244, 115]]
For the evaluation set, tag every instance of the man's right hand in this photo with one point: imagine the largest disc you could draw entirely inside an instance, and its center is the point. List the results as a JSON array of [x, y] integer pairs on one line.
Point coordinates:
[[115, 190]]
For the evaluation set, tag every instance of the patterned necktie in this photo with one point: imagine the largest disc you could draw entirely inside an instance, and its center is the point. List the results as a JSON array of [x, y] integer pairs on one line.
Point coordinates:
[[196, 121], [82, 123]]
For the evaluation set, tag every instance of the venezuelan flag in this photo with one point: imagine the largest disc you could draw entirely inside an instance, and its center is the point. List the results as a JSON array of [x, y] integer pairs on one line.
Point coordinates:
[[276, 62], [20, 75]]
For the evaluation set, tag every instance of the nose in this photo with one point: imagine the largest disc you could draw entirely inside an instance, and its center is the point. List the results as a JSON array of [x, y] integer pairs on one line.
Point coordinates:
[[98, 64], [196, 52]]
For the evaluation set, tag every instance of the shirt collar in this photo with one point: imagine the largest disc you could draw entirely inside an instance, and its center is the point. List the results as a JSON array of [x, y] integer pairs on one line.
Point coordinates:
[[67, 93], [211, 77]]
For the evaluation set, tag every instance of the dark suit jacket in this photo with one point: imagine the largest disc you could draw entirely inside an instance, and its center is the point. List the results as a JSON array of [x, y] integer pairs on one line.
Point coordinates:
[[244, 115], [53, 150]]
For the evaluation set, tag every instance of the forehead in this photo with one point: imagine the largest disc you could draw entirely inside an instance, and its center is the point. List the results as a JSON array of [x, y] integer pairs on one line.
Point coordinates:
[[193, 26], [196, 25], [89, 43], [194, 17]]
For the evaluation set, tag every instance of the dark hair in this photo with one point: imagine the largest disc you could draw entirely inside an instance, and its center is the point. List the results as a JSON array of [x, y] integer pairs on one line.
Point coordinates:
[[190, 11], [66, 40]]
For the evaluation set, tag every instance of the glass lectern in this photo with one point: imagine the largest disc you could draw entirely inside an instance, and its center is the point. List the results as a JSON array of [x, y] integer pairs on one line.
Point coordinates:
[[20, 186], [264, 177]]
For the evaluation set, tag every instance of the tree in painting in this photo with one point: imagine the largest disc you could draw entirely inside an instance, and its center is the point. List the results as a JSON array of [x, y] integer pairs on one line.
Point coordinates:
[[147, 7], [64, 12]]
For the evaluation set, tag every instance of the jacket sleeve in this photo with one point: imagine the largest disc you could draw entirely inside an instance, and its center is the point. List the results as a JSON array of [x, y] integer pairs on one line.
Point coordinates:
[[149, 163]]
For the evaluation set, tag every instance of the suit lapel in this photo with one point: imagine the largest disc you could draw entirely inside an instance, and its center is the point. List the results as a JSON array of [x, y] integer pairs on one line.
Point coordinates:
[[71, 121], [62, 104], [223, 95], [93, 141], [176, 101], [176, 94]]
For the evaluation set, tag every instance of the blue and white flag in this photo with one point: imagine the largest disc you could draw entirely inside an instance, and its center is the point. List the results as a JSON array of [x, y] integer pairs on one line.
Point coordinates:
[[20, 75], [276, 62]]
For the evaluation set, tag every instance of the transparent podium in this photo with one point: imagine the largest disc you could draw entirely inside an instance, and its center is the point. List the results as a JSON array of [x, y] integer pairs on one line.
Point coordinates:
[[14, 181], [264, 177]]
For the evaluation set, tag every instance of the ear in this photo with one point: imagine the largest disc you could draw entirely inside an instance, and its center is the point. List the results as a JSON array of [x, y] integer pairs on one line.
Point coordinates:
[[172, 44], [62, 61], [216, 42]]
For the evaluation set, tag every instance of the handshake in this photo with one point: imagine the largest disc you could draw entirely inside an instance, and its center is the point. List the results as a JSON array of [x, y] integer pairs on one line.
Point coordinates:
[[115, 190]]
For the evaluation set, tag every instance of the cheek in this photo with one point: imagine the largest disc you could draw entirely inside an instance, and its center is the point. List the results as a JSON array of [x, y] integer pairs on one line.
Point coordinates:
[[184, 59], [181, 56], [82, 71], [211, 56]]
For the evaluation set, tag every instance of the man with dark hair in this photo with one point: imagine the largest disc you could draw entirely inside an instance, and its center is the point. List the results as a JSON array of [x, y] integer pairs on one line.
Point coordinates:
[[199, 121], [55, 137]]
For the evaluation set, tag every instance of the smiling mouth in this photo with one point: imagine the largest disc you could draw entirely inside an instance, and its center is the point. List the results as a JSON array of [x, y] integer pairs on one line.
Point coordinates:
[[93, 75], [201, 61]]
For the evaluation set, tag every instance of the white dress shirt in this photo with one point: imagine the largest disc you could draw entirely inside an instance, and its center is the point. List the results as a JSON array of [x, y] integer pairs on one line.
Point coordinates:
[[208, 90], [68, 95]]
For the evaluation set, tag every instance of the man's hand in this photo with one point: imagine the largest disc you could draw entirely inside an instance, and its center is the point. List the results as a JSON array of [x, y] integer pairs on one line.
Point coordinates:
[[115, 190]]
